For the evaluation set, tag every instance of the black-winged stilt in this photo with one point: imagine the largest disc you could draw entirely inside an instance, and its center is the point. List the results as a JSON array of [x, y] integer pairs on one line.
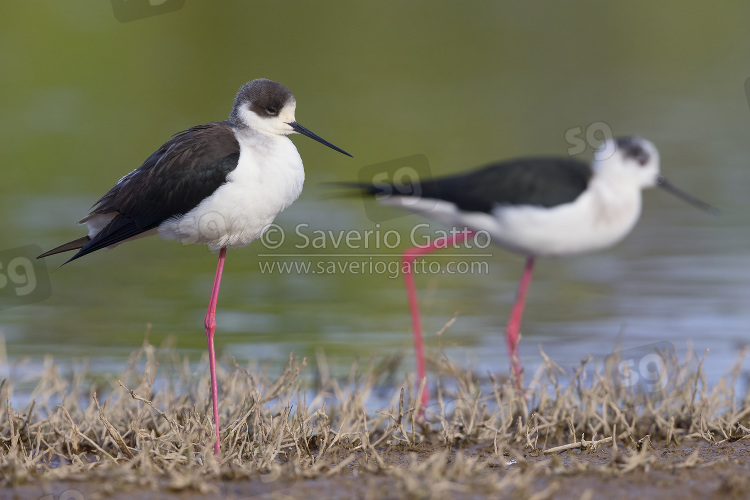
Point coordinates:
[[220, 184], [535, 207]]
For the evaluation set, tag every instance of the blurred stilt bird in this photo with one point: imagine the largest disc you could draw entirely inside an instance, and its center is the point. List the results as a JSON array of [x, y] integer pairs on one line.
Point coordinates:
[[535, 207]]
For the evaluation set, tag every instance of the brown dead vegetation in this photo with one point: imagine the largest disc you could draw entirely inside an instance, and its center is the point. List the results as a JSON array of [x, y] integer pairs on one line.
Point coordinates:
[[479, 437]]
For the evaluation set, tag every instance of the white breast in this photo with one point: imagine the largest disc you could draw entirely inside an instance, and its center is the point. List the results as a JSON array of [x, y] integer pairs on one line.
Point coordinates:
[[597, 219], [585, 225], [268, 178]]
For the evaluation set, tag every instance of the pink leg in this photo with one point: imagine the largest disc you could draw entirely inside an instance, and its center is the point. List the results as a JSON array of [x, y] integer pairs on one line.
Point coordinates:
[[408, 258], [210, 329], [512, 331]]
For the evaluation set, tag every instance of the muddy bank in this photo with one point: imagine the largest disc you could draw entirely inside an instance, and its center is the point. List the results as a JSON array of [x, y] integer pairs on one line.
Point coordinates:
[[80, 438], [694, 470]]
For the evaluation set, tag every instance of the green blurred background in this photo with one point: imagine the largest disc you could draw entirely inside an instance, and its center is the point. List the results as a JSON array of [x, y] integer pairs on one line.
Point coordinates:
[[85, 98]]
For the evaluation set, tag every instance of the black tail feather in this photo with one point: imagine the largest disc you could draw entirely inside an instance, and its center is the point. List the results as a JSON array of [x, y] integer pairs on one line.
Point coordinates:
[[121, 228], [356, 188], [67, 247]]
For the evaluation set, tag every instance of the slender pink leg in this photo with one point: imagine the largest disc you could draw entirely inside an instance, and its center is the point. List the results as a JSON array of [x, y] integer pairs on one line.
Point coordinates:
[[512, 331], [210, 329], [408, 258]]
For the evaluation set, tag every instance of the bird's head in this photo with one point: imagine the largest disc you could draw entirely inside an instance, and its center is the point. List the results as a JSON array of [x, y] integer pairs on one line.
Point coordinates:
[[631, 159], [634, 159], [267, 106]]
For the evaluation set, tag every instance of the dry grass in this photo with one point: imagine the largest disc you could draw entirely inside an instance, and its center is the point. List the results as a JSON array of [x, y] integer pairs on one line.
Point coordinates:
[[479, 436]]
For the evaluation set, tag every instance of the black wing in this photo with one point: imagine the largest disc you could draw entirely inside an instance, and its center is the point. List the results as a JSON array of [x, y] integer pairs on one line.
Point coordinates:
[[544, 182], [171, 182]]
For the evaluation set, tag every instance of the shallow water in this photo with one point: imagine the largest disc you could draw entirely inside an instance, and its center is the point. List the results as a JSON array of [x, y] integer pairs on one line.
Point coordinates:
[[85, 99]]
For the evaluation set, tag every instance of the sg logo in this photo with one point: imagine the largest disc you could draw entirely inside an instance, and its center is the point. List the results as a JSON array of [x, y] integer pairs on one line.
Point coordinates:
[[649, 368], [23, 279], [595, 137], [399, 182]]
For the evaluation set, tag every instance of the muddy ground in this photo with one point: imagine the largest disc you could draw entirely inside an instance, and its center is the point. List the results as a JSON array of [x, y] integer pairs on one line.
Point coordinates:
[[695, 470], [80, 438]]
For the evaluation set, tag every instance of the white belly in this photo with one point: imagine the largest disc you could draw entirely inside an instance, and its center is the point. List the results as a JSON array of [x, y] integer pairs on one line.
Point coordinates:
[[268, 179], [573, 228], [592, 222]]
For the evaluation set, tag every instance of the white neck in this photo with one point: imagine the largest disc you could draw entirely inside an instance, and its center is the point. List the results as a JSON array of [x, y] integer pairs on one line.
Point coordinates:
[[616, 198]]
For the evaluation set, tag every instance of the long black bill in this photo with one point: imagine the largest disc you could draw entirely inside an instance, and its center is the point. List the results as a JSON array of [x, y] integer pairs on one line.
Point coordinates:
[[668, 186], [302, 130]]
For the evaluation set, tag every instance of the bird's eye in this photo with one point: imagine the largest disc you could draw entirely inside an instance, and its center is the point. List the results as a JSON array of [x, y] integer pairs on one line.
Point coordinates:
[[272, 111]]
